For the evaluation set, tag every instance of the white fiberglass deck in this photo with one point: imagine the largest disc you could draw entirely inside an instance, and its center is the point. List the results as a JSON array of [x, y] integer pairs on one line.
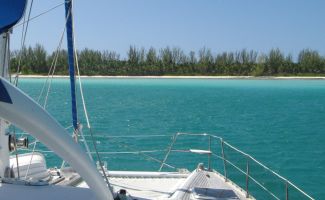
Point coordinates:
[[156, 185], [48, 192]]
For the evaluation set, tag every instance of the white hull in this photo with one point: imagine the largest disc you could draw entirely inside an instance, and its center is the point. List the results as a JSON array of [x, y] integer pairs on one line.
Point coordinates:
[[139, 185]]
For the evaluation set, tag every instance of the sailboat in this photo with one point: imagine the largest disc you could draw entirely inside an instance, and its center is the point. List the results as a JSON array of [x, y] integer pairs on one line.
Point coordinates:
[[83, 179]]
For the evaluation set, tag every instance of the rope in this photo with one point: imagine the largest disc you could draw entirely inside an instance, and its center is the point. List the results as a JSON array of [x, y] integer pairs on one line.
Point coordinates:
[[82, 99]]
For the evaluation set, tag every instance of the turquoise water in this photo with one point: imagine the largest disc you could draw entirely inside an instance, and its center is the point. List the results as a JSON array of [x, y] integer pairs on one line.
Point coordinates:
[[279, 122]]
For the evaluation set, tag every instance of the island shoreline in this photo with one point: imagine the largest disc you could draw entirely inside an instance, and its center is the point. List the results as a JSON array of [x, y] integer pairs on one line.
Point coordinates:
[[188, 77]]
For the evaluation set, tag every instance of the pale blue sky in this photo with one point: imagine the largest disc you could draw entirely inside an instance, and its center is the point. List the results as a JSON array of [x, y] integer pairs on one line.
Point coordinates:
[[221, 25]]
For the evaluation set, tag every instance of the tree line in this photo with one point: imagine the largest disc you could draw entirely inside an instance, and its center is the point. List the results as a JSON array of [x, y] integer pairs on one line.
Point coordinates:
[[170, 61]]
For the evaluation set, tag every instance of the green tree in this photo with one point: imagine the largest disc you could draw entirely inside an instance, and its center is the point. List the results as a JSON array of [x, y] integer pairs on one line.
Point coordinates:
[[39, 59], [274, 62], [310, 61], [206, 60]]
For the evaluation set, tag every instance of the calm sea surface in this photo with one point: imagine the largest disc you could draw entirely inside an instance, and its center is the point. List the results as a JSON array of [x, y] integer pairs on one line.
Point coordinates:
[[279, 122]]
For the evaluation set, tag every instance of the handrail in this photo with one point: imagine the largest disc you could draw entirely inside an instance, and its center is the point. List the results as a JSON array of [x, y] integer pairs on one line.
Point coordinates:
[[252, 158], [268, 169], [222, 157], [258, 183]]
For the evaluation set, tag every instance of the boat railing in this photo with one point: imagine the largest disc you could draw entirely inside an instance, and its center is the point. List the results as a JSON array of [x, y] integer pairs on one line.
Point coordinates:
[[236, 166], [246, 172]]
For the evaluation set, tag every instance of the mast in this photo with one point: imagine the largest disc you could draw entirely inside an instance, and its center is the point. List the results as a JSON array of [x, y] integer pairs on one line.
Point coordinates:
[[4, 72], [71, 60], [4, 55], [11, 12]]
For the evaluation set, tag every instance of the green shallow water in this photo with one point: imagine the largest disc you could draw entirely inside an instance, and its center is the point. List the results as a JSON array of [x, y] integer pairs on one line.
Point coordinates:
[[279, 122]]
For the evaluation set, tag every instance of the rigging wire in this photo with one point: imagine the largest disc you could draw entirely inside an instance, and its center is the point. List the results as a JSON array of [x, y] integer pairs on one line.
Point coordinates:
[[22, 36], [129, 136], [23, 39], [40, 14], [91, 133], [51, 72], [54, 68], [47, 94], [22, 30], [143, 153], [16, 154], [31, 159], [23, 43], [24, 33]]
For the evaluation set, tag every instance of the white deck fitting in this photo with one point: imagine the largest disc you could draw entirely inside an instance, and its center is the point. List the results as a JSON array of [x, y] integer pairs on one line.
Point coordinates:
[[35, 165]]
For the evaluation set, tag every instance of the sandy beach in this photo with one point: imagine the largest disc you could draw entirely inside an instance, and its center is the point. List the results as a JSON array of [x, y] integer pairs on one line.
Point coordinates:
[[189, 77]]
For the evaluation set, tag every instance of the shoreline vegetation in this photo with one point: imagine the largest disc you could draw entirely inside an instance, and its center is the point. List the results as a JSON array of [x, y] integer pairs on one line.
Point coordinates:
[[188, 77], [171, 63]]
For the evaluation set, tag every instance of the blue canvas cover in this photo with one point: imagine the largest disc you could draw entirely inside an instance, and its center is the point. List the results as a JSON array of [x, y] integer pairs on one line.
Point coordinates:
[[71, 60], [10, 13], [4, 96]]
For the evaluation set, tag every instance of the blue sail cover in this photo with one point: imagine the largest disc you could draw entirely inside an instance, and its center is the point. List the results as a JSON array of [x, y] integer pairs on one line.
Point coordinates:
[[4, 96], [10, 13], [71, 60]]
